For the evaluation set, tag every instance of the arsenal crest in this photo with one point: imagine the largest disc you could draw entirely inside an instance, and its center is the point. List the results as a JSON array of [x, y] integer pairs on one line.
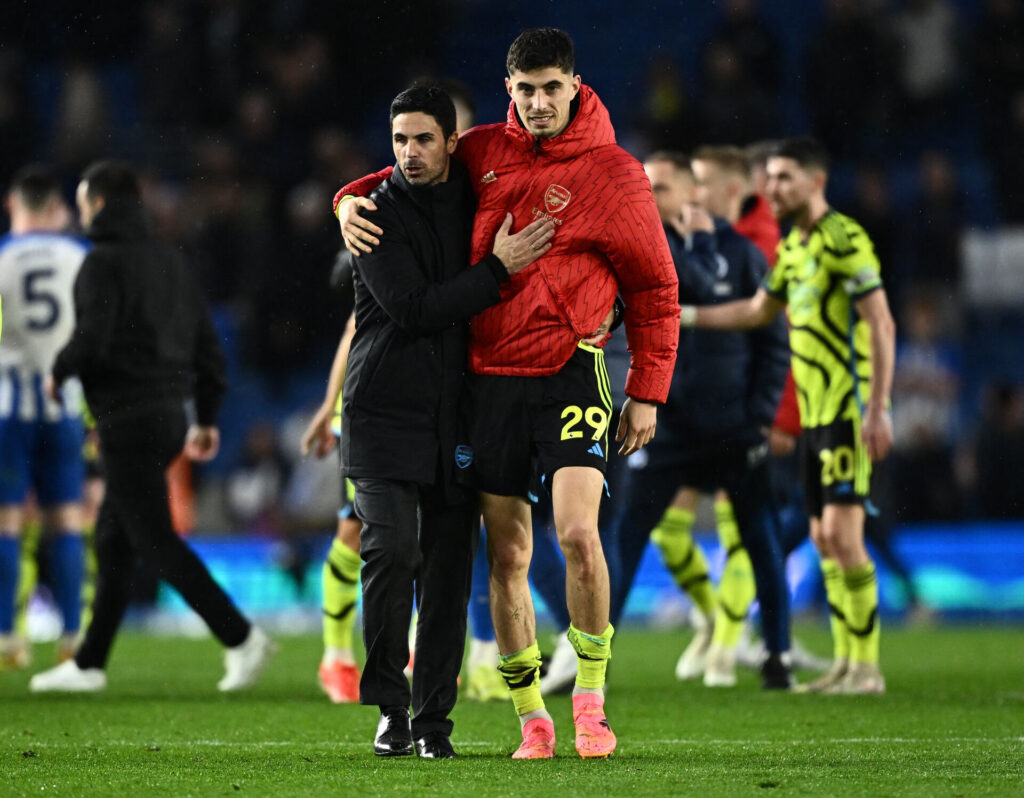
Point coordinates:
[[556, 198]]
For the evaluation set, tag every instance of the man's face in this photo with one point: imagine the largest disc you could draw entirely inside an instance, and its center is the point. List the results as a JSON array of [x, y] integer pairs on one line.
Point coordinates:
[[672, 188], [713, 188], [88, 206], [542, 98], [421, 149], [789, 187]]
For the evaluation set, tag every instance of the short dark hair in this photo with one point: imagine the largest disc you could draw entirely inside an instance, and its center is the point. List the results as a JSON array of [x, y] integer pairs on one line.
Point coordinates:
[[35, 185], [112, 180], [539, 48], [428, 99], [806, 151], [677, 158]]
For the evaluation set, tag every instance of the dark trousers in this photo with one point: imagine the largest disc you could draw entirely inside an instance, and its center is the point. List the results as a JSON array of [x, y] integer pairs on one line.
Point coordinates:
[[412, 541], [135, 522], [747, 481]]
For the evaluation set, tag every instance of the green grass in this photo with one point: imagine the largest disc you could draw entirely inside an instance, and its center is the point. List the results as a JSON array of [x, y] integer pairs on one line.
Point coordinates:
[[952, 724]]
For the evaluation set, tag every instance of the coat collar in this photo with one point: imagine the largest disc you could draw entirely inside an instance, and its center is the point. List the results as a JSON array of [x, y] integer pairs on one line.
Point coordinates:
[[589, 128]]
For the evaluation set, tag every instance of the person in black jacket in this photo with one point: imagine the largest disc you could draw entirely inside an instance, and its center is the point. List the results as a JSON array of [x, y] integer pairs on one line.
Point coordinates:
[[143, 346], [725, 390], [414, 296]]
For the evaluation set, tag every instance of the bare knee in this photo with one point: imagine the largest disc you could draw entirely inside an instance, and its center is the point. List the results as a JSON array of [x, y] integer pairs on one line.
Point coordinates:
[[581, 546], [509, 557]]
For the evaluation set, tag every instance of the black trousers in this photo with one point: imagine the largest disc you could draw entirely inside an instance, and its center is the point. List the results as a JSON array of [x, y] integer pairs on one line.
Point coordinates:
[[135, 522], [745, 477], [411, 541]]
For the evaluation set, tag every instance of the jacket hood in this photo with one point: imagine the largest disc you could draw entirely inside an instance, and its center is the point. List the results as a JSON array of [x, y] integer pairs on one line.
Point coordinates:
[[119, 221], [589, 128]]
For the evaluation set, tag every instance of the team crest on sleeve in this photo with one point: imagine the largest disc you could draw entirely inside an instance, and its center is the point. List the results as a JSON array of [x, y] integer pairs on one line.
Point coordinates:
[[556, 198]]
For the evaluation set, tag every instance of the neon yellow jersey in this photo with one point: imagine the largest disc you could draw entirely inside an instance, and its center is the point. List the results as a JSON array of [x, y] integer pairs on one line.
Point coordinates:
[[820, 279]]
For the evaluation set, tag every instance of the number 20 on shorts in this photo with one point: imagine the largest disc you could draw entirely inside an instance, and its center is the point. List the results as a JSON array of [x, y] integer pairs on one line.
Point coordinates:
[[595, 417], [836, 465]]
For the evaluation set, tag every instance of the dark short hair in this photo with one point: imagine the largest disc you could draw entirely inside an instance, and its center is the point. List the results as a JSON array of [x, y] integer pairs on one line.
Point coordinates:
[[112, 180], [808, 152], [431, 100], [540, 48], [36, 185], [677, 158], [729, 159]]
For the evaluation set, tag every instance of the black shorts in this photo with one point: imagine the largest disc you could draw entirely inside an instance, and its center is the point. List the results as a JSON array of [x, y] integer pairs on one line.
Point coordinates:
[[520, 430], [835, 465]]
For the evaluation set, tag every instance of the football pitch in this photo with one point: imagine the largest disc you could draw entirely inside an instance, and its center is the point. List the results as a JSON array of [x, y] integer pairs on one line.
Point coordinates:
[[952, 724]]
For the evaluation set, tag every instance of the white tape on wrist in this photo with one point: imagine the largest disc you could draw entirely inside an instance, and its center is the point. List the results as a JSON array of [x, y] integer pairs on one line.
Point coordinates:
[[687, 315]]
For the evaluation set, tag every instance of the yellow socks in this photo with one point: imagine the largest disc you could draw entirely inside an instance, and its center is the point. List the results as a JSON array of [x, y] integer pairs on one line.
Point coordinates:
[[341, 589], [737, 589], [521, 672], [835, 593], [862, 612], [684, 558], [592, 655]]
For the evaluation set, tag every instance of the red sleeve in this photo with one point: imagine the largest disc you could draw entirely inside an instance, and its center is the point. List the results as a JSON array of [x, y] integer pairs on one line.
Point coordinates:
[[638, 251], [787, 417], [363, 186]]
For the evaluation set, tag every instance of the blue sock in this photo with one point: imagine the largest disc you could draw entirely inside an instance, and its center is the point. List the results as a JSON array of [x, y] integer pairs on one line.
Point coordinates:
[[10, 560], [66, 562], [480, 624]]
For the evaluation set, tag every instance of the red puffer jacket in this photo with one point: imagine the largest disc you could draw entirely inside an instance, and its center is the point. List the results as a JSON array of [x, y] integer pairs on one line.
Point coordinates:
[[608, 239]]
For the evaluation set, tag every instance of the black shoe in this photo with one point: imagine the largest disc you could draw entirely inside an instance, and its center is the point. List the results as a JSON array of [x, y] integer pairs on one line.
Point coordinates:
[[775, 674], [394, 733], [435, 745]]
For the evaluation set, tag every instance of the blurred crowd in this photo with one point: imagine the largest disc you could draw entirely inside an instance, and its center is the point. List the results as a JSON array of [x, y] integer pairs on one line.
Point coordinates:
[[244, 123]]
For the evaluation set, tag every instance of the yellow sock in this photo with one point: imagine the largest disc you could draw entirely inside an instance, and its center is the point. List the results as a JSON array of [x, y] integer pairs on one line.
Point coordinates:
[[737, 589], [341, 589], [835, 593], [521, 672], [592, 655], [684, 558], [862, 612]]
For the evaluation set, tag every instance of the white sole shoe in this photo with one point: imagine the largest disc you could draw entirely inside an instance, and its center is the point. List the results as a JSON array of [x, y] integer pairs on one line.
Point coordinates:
[[694, 658], [720, 670], [68, 678], [244, 663]]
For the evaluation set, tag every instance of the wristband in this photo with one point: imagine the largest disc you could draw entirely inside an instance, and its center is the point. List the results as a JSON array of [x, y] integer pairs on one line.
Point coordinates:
[[687, 315], [337, 208]]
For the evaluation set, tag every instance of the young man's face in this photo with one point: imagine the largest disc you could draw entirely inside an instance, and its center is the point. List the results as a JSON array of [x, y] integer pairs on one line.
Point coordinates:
[[671, 186], [714, 188], [789, 187], [420, 148], [542, 98]]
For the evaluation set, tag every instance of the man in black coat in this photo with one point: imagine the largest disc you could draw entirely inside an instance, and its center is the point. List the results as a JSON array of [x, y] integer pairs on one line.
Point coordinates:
[[143, 347], [414, 297]]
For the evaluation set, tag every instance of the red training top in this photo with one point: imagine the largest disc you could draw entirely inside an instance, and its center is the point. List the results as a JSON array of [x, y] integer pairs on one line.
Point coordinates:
[[608, 239]]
